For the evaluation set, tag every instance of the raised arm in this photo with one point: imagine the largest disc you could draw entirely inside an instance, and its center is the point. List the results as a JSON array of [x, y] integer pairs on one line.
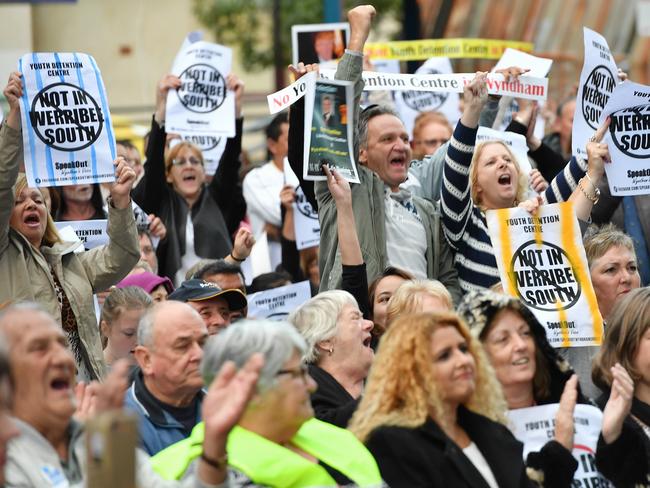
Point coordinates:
[[108, 264], [585, 196], [10, 154], [456, 201], [148, 192], [225, 187]]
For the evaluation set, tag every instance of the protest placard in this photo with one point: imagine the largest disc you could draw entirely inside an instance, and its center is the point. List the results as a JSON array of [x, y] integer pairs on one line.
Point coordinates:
[[319, 43], [91, 233], [412, 103], [328, 135], [542, 261], [67, 133], [211, 146], [202, 104], [628, 139], [524, 87], [305, 222], [278, 303], [535, 426], [598, 79], [448, 48]]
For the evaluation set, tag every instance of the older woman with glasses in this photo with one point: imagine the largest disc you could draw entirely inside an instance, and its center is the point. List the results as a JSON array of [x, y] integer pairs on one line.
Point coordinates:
[[200, 217], [277, 442]]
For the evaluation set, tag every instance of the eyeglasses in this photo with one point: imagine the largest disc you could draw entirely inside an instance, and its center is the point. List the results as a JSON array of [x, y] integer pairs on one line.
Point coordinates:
[[183, 161], [301, 372]]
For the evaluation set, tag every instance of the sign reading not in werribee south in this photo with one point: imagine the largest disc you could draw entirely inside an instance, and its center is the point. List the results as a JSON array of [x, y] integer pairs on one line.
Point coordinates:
[[67, 133], [202, 104], [598, 79], [628, 139], [542, 261]]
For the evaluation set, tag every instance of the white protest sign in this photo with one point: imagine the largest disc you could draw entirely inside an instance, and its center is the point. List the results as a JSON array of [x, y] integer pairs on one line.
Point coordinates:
[[278, 303], [202, 104], [91, 233], [282, 99], [628, 139], [542, 261], [539, 67], [305, 222], [67, 133], [535, 426], [516, 143], [411, 103], [524, 87], [598, 79], [211, 146]]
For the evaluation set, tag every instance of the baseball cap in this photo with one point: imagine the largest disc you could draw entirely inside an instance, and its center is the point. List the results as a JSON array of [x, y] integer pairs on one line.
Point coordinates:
[[195, 290]]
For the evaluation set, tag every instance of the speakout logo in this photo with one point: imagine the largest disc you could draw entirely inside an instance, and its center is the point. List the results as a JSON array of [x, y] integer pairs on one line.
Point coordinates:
[[203, 88], [595, 94], [66, 117], [630, 131], [544, 276], [421, 101], [303, 206]]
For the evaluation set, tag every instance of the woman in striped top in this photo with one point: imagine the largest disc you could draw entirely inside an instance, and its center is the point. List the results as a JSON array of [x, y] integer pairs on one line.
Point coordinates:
[[476, 179]]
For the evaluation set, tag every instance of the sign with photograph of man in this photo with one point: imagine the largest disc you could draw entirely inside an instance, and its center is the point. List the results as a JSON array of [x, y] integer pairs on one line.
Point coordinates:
[[319, 43]]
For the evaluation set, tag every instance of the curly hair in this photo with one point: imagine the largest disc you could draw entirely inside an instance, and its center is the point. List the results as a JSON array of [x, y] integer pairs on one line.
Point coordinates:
[[627, 324], [522, 183], [401, 390]]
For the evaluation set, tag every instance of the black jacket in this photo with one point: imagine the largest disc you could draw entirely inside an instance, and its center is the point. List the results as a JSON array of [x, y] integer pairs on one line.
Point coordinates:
[[331, 402], [216, 215], [426, 457], [626, 461]]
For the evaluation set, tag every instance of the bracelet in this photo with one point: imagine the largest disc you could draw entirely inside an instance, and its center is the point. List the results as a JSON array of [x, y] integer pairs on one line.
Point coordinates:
[[219, 463], [596, 196], [237, 259]]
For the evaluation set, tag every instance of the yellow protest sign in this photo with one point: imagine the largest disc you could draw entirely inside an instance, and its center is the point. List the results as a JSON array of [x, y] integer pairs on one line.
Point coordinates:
[[541, 261], [449, 48]]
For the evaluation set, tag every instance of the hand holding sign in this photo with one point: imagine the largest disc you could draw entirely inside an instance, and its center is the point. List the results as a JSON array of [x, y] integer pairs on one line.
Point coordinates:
[[564, 424], [537, 181], [619, 403], [12, 92], [301, 69], [598, 152], [244, 242], [475, 96], [234, 83], [168, 82], [287, 197], [124, 179], [339, 187]]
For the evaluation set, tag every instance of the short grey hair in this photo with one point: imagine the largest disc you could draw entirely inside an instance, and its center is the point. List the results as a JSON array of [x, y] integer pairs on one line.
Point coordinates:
[[317, 319], [276, 341], [365, 115], [147, 323]]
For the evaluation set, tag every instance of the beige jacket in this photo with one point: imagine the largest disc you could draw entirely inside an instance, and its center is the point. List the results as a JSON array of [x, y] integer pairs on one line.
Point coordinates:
[[24, 270]]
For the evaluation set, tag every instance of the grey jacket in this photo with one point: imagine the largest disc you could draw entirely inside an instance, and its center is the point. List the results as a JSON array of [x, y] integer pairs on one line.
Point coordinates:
[[25, 271], [368, 206], [33, 462]]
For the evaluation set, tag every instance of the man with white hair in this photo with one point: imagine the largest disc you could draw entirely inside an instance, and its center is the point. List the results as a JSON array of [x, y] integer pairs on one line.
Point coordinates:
[[167, 391], [50, 450]]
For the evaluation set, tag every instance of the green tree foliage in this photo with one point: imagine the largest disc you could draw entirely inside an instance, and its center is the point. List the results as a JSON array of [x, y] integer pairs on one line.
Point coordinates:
[[248, 25]]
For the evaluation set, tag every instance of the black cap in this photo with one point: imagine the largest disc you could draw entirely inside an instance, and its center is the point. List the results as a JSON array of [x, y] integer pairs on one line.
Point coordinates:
[[198, 290]]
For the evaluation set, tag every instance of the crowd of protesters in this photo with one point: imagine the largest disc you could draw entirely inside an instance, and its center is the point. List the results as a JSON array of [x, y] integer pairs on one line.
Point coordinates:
[[399, 371]]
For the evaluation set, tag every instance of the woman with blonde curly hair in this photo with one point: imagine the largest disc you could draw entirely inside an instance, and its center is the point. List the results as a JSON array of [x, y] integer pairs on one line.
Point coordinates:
[[419, 296], [433, 413]]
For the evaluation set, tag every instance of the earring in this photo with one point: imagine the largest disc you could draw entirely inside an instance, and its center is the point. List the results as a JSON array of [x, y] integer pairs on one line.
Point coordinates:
[[330, 351]]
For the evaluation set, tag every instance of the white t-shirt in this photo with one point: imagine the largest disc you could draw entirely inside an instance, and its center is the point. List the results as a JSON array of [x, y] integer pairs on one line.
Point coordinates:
[[474, 455]]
